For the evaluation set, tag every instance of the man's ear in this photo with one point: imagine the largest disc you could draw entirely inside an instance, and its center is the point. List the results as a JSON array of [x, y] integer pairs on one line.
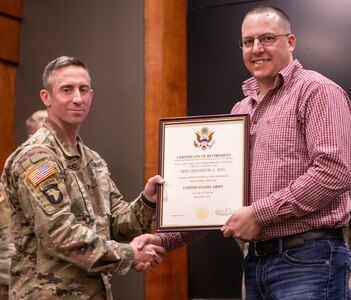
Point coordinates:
[[45, 97], [292, 42]]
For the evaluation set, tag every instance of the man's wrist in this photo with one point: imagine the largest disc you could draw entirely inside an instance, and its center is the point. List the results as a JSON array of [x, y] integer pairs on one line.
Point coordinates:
[[161, 238], [147, 201]]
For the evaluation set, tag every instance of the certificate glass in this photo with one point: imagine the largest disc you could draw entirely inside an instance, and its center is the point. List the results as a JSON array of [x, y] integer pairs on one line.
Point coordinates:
[[204, 161]]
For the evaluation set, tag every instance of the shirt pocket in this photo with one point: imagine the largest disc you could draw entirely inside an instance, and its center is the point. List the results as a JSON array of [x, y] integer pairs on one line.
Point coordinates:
[[281, 136], [77, 188], [102, 180]]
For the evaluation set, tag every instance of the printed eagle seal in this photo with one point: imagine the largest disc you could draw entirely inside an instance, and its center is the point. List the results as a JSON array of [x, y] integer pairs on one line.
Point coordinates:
[[204, 139]]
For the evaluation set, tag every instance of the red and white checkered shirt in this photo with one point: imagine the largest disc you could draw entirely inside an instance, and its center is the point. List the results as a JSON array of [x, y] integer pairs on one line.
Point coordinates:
[[174, 240], [300, 152]]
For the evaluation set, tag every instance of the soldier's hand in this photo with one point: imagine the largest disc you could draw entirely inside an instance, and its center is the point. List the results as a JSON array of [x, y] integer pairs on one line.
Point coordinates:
[[147, 238], [148, 257], [150, 191]]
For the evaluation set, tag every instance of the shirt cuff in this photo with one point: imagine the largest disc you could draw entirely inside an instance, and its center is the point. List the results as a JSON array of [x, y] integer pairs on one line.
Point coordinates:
[[127, 257], [147, 202]]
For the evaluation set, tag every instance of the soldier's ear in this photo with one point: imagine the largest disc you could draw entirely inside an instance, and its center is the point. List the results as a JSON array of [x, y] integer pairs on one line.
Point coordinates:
[[45, 97]]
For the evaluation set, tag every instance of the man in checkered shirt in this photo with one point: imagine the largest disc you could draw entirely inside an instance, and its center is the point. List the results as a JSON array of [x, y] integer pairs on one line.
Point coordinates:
[[300, 171]]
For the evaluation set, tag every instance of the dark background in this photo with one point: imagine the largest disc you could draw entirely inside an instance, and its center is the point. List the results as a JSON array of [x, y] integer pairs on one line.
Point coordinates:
[[215, 71]]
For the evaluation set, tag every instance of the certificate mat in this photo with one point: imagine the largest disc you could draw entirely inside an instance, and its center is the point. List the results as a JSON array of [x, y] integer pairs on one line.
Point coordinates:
[[204, 161]]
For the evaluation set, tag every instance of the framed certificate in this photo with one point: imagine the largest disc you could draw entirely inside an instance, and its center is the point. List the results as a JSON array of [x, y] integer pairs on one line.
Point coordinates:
[[204, 161]]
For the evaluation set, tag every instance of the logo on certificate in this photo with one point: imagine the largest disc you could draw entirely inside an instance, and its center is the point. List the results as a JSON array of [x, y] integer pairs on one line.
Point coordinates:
[[204, 139], [202, 213]]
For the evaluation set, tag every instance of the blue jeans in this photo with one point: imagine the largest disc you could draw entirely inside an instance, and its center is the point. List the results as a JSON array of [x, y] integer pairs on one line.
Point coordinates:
[[318, 270]]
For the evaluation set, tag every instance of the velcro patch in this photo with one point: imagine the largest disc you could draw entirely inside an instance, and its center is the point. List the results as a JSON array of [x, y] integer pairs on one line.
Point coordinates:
[[39, 173], [53, 193]]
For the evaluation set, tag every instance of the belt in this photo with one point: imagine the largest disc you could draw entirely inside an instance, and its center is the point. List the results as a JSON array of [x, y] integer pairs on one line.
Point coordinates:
[[275, 245]]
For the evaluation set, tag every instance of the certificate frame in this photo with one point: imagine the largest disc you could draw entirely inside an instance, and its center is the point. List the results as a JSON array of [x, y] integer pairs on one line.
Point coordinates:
[[204, 161]]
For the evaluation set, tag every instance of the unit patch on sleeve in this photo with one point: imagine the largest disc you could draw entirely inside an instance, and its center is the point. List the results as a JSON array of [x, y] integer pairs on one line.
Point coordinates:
[[51, 190], [53, 193], [41, 172]]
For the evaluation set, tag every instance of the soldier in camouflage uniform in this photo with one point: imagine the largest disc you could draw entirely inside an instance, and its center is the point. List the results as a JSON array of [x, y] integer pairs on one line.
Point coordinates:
[[33, 123], [67, 214], [6, 244]]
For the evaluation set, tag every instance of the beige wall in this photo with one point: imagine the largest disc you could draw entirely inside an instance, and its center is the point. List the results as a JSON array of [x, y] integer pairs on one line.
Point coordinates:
[[108, 36]]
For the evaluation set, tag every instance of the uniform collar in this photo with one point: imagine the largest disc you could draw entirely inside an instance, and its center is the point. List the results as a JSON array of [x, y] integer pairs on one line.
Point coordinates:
[[62, 139]]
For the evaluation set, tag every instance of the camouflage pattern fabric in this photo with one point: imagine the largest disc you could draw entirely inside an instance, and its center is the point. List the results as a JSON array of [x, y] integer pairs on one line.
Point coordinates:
[[6, 245], [67, 218]]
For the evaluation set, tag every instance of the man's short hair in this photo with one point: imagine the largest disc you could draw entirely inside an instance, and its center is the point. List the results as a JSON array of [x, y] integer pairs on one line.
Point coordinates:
[[57, 63], [269, 8]]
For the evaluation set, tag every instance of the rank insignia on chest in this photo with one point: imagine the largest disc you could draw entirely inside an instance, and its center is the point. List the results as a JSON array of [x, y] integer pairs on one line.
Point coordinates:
[[41, 172]]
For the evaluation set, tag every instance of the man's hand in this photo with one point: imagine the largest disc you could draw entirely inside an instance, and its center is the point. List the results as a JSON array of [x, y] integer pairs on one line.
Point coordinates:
[[147, 238], [150, 191], [147, 256], [242, 224]]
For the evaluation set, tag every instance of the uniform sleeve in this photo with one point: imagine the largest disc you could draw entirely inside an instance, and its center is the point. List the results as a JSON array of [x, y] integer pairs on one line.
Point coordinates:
[[5, 211], [127, 219], [7, 248], [6, 244], [132, 219], [46, 204]]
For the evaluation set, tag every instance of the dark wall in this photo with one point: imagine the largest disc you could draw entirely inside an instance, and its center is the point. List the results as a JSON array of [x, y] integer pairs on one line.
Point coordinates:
[[215, 68], [215, 72]]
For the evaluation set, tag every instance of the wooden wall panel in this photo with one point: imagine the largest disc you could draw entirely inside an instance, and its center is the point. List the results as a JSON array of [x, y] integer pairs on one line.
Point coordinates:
[[9, 37], [7, 110], [12, 7], [10, 19], [165, 96]]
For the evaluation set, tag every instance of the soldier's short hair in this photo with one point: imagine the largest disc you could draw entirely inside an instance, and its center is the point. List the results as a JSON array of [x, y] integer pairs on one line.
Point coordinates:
[[57, 63]]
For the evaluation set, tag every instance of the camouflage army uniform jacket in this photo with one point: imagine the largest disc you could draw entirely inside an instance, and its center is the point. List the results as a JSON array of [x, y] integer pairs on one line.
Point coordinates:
[[6, 244], [67, 217]]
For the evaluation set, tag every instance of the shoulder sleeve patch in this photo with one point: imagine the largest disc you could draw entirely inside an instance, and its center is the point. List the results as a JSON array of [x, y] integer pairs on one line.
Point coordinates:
[[51, 190], [41, 172]]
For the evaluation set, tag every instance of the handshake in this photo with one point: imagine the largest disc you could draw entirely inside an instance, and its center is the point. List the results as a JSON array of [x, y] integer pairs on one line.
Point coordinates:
[[148, 252]]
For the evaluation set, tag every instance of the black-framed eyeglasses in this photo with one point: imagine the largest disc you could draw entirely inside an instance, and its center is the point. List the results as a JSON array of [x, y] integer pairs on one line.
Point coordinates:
[[266, 39]]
